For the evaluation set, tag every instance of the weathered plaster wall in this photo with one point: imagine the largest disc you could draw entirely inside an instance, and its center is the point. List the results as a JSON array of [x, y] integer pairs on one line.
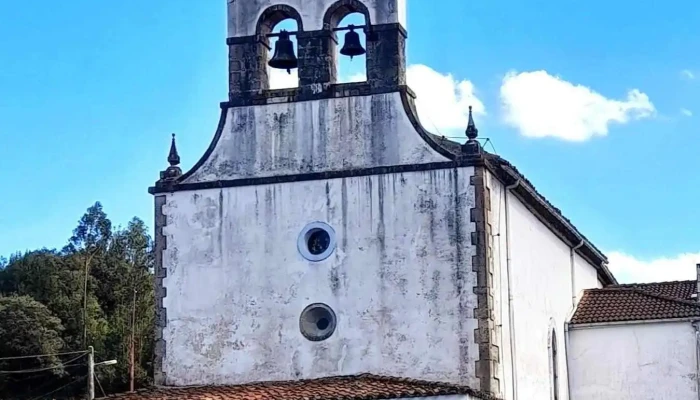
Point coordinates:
[[497, 218], [631, 362], [243, 15], [542, 295], [314, 136], [541, 277], [400, 280], [586, 277]]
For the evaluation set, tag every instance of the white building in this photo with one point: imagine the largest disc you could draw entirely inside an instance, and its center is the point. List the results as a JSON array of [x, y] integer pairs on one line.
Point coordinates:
[[636, 342], [329, 246]]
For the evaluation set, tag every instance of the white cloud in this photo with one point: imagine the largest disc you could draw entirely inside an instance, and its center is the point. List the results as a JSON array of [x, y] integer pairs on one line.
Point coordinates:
[[542, 105], [442, 101], [687, 74], [686, 112], [629, 269]]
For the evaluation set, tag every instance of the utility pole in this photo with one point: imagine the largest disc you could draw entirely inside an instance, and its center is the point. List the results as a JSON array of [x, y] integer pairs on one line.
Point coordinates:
[[132, 349], [91, 374]]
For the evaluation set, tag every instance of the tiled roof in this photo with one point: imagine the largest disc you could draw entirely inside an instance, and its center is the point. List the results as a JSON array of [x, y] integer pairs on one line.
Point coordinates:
[[682, 290], [598, 258], [355, 387], [638, 302]]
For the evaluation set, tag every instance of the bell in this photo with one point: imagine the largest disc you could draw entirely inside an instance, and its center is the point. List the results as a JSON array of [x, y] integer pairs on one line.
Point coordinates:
[[284, 57], [352, 46]]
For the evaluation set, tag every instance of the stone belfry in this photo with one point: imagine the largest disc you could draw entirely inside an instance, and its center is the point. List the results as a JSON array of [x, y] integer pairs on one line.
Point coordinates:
[[324, 231], [250, 21]]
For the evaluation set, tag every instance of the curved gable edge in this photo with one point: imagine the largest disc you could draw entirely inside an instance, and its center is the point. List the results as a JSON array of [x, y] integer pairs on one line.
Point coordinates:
[[443, 146], [170, 185], [499, 167], [212, 145]]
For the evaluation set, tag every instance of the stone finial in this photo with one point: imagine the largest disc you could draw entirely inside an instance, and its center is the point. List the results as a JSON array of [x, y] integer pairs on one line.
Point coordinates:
[[173, 171], [472, 132], [472, 146], [173, 157]]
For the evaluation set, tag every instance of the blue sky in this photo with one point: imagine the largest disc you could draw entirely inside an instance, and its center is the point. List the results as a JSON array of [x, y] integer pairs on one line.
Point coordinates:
[[90, 92]]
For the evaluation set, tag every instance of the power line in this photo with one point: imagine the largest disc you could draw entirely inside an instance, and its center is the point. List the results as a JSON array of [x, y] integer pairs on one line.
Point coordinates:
[[29, 371], [44, 355], [62, 387]]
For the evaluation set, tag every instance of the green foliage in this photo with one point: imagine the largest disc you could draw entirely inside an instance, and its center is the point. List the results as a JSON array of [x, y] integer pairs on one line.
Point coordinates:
[[44, 294], [28, 327]]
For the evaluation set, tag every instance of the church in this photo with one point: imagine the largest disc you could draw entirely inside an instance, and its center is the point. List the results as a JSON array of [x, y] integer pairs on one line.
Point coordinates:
[[327, 246]]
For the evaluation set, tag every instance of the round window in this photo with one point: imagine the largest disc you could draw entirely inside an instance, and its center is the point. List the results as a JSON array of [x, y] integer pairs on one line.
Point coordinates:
[[317, 322], [316, 241]]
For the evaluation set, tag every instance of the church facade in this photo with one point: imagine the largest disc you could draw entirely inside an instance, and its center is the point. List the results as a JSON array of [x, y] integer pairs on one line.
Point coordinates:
[[326, 233]]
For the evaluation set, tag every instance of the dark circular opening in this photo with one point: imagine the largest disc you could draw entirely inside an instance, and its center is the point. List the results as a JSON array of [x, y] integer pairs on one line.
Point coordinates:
[[319, 240], [317, 322], [322, 324]]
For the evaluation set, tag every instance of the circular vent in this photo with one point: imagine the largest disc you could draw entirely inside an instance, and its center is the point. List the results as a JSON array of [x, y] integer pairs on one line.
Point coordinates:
[[317, 322]]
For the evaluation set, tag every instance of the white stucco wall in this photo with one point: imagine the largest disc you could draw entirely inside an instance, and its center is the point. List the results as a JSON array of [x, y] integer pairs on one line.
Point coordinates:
[[314, 136], [399, 281], [542, 295], [634, 362], [243, 15], [585, 276], [497, 219]]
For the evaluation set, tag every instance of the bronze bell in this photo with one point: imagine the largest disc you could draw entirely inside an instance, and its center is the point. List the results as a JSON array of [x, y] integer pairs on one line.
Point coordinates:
[[352, 46], [284, 57]]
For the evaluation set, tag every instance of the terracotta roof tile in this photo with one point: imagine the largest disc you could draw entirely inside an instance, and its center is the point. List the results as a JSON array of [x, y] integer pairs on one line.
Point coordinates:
[[682, 290], [355, 387], [637, 302]]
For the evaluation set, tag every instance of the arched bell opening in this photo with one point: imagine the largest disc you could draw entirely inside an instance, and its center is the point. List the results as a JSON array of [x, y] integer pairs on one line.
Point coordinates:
[[349, 21], [350, 53], [276, 30], [282, 62]]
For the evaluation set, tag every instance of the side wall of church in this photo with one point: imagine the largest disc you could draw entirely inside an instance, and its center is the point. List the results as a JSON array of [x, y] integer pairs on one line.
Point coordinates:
[[540, 267], [234, 283]]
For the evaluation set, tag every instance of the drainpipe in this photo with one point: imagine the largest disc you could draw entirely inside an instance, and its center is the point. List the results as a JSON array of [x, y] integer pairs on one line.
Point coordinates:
[[697, 355], [697, 283], [573, 272], [566, 349], [511, 319]]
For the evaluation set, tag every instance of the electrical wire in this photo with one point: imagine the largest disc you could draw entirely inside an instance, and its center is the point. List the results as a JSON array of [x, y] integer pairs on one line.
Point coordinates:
[[44, 355], [62, 387], [28, 371]]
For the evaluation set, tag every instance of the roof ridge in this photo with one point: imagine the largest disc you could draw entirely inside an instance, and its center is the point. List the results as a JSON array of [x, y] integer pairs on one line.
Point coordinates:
[[668, 298], [621, 285], [645, 293], [373, 387]]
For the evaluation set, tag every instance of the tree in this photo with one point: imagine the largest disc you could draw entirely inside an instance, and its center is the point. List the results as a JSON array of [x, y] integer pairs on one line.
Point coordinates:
[[126, 293], [106, 273], [90, 238], [28, 328], [55, 281]]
